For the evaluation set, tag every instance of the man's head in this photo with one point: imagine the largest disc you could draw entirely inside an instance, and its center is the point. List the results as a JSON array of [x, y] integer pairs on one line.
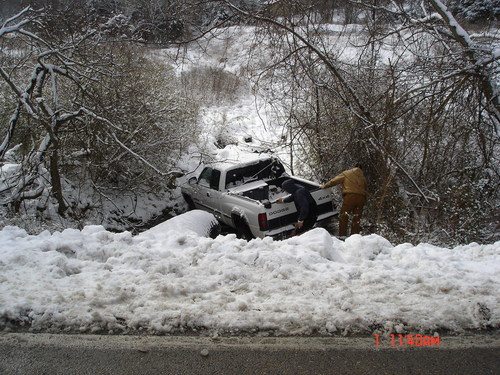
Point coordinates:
[[290, 186]]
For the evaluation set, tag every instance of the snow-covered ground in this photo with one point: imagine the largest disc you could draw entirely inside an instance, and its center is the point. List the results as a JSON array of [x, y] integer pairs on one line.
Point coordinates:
[[172, 279]]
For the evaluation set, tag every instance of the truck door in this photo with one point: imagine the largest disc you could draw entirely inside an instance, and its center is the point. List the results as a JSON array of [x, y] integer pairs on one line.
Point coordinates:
[[214, 193], [208, 195]]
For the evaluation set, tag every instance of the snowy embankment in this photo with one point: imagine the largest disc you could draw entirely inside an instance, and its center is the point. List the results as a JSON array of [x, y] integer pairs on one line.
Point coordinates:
[[172, 279]]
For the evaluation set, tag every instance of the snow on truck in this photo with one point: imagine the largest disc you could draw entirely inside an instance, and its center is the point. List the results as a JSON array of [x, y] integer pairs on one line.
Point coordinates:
[[243, 196]]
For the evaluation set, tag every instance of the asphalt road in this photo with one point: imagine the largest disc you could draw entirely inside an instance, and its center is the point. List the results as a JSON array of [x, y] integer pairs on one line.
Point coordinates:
[[53, 354]]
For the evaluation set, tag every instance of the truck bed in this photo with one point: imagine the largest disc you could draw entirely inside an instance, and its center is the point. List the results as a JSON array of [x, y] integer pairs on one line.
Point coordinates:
[[263, 191]]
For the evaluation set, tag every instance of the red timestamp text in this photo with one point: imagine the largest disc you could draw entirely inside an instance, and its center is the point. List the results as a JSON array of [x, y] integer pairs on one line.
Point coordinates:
[[410, 340]]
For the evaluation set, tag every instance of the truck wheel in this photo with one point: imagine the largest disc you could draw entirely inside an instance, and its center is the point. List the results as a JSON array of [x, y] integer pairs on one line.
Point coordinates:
[[214, 230], [242, 228], [189, 201]]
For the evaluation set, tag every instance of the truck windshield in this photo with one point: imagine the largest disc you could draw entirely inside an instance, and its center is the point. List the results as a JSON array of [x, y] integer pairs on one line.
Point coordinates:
[[269, 169]]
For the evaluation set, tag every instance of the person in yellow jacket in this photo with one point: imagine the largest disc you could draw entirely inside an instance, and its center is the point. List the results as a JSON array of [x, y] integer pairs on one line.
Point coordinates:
[[354, 197]]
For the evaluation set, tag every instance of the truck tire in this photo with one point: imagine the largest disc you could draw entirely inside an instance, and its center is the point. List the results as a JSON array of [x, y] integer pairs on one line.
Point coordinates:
[[214, 230], [242, 228], [189, 202]]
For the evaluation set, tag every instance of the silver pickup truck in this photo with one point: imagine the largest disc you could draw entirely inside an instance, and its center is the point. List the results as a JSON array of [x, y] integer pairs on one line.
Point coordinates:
[[243, 196]]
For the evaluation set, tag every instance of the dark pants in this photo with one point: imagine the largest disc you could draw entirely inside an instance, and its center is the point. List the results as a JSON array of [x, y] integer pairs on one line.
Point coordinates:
[[352, 206], [308, 224]]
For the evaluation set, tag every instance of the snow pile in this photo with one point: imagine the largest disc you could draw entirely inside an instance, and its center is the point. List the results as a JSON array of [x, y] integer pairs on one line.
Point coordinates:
[[196, 222], [170, 279]]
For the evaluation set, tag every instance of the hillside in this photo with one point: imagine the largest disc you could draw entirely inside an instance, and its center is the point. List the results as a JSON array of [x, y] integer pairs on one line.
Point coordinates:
[[103, 129]]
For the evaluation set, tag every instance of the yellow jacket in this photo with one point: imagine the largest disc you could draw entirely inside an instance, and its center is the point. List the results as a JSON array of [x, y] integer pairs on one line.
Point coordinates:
[[353, 181]]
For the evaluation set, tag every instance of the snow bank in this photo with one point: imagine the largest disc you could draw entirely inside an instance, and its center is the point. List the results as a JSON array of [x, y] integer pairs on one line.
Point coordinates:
[[196, 222], [170, 279]]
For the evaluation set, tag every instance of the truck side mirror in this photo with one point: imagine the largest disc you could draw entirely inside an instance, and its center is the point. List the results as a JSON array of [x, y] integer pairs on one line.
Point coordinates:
[[192, 180]]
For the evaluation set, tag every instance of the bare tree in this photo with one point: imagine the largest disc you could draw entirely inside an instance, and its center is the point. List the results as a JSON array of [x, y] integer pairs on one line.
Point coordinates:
[[86, 108], [420, 119]]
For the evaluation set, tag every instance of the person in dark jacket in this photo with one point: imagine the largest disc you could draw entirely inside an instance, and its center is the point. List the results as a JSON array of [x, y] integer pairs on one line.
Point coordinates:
[[305, 204]]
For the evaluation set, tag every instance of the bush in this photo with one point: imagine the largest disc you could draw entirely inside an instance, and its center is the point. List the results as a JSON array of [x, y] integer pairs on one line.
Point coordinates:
[[107, 123]]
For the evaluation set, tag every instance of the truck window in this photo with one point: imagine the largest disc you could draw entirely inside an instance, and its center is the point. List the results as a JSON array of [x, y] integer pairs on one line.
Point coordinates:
[[210, 177], [215, 179], [205, 177], [269, 169]]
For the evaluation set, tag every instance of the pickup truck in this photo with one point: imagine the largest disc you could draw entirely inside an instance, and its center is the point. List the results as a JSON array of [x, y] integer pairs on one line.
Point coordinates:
[[243, 195]]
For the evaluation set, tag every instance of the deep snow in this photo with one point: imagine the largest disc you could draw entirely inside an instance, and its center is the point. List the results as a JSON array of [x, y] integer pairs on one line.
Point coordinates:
[[172, 279]]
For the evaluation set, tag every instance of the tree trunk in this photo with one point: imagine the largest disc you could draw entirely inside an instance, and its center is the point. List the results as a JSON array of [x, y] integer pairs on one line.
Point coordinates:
[[55, 177]]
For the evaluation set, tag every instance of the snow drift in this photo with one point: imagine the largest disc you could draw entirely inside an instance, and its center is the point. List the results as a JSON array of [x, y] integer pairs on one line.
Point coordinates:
[[170, 279]]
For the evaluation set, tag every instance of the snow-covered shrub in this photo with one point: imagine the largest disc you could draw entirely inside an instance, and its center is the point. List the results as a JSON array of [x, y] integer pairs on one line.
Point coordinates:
[[97, 124], [476, 11]]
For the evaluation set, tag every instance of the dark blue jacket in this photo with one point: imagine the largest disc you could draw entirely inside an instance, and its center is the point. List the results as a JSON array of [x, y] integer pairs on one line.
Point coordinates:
[[304, 202]]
